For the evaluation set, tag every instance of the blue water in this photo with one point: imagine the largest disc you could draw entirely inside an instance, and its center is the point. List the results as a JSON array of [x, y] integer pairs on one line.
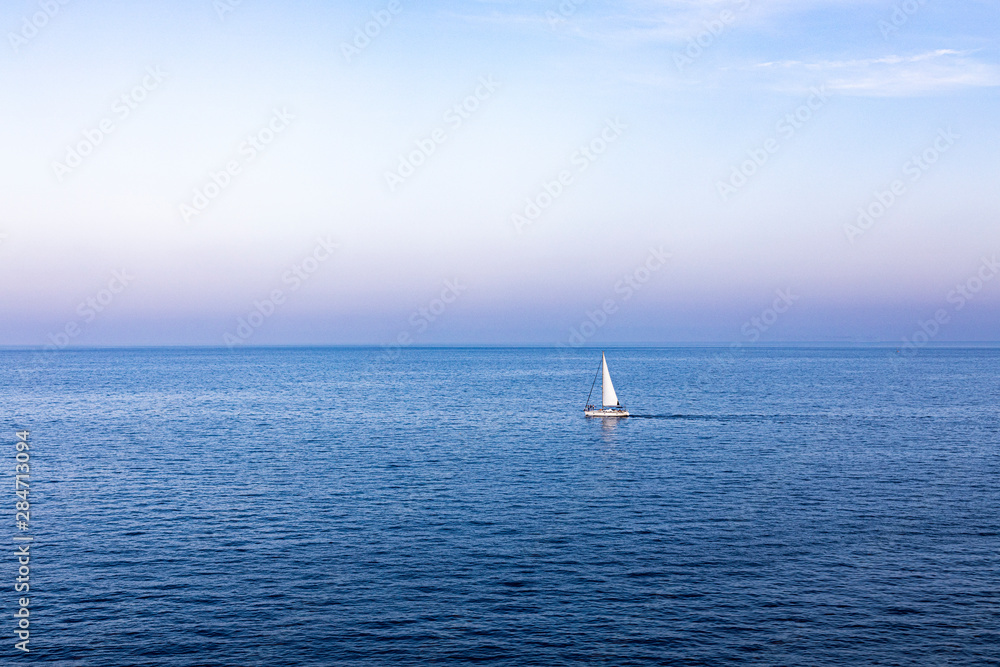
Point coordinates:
[[328, 507]]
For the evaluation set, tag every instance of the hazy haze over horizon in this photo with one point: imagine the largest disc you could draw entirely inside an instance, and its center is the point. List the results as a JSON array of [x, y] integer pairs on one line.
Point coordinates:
[[718, 199]]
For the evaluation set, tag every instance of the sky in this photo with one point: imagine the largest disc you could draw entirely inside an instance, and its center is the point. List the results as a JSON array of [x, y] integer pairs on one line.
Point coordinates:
[[242, 172]]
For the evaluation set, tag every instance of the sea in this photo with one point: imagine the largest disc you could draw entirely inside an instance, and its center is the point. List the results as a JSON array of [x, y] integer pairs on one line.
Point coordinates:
[[421, 506]]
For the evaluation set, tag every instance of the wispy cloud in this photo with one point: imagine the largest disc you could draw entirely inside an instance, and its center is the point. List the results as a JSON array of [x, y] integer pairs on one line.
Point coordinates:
[[736, 35], [926, 73], [638, 21]]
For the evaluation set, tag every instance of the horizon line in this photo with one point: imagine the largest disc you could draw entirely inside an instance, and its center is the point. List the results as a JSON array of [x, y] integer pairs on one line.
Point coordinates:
[[556, 346]]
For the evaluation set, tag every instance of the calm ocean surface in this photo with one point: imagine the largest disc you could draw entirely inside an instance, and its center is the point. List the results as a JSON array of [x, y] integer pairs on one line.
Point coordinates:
[[325, 507]]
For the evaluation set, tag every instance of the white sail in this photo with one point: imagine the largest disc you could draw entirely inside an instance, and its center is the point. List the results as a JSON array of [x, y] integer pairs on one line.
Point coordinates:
[[610, 398]]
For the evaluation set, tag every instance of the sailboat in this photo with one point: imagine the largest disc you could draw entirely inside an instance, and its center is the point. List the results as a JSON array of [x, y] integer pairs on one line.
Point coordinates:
[[609, 399]]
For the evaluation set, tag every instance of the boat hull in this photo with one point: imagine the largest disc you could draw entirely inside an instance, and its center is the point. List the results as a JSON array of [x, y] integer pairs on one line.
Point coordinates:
[[605, 413]]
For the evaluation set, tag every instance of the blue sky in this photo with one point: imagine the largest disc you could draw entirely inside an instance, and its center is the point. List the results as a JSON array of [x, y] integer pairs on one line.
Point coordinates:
[[498, 172]]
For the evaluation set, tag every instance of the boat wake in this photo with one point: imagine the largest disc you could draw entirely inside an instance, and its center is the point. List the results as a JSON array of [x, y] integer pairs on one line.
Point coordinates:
[[718, 418], [707, 417]]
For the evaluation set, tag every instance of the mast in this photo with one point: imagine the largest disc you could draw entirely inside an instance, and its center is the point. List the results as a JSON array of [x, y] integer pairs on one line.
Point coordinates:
[[594, 383]]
